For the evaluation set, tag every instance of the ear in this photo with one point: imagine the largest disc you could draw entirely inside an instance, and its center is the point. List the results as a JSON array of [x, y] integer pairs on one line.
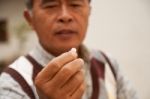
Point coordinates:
[[28, 16]]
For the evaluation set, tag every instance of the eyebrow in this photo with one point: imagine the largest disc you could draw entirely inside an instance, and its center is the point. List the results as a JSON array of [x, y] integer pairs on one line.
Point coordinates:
[[76, 0], [46, 1]]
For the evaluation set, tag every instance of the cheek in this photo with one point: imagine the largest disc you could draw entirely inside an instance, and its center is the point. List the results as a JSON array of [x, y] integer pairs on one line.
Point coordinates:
[[42, 23], [84, 23], [84, 26], [41, 29], [83, 19], [41, 17]]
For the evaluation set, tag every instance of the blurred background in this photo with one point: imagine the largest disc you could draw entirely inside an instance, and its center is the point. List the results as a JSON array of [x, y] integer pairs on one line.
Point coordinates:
[[119, 27]]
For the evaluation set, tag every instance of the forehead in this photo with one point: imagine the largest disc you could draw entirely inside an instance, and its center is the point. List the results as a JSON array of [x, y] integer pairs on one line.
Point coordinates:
[[61, 0], [50, 1]]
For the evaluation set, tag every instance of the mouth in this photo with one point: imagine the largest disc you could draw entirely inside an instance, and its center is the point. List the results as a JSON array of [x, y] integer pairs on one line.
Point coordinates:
[[65, 33]]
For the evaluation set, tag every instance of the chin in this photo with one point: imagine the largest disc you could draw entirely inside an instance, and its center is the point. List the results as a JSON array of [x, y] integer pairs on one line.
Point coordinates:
[[62, 47], [67, 47]]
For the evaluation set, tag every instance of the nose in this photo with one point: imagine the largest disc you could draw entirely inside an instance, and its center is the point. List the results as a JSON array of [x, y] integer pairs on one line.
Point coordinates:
[[65, 15]]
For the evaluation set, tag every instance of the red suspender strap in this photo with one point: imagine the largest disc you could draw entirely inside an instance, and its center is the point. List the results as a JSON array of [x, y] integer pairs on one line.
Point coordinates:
[[110, 64], [24, 85], [36, 66], [97, 71]]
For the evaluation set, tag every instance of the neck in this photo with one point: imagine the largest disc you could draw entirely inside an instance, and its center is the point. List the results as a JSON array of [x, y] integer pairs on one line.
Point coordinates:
[[56, 52]]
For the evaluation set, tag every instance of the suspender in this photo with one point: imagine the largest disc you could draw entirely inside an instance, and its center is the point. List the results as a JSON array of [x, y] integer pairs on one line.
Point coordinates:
[[24, 85], [97, 71], [36, 66], [110, 64]]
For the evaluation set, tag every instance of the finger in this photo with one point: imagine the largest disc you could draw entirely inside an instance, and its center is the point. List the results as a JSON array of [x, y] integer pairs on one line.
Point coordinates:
[[55, 65], [73, 83], [79, 92], [67, 72]]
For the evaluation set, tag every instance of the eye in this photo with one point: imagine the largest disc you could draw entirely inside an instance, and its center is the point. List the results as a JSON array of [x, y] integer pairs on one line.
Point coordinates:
[[50, 5], [76, 4]]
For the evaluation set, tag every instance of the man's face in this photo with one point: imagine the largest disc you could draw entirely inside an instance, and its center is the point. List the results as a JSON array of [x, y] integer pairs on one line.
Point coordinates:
[[60, 24]]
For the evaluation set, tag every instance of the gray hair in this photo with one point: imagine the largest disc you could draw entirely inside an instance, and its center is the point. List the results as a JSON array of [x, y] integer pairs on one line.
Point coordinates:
[[29, 4]]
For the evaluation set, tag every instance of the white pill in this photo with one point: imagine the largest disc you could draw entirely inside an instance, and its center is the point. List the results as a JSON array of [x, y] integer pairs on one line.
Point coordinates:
[[73, 50]]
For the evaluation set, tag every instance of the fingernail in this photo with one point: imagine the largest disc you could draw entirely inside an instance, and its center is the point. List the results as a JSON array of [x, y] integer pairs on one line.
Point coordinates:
[[74, 51]]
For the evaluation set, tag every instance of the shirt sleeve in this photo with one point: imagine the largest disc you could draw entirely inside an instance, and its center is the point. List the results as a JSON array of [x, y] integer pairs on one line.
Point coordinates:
[[10, 89]]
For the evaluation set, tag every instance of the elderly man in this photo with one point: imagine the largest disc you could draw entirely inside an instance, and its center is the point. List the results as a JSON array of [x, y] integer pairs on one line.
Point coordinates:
[[60, 66]]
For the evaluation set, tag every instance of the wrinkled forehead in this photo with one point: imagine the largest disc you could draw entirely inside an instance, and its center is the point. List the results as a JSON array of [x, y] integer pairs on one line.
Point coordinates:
[[29, 3], [59, 0]]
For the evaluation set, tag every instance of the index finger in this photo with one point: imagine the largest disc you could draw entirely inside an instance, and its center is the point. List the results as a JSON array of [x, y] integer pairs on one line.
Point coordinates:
[[56, 64]]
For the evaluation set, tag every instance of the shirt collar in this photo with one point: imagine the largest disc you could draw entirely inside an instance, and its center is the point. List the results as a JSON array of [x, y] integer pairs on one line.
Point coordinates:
[[43, 57]]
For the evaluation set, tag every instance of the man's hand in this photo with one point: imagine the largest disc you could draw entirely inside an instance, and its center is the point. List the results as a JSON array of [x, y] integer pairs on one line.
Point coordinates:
[[62, 78]]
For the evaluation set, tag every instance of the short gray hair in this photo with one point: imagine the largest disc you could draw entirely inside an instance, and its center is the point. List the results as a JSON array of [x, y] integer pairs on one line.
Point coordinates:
[[29, 4]]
